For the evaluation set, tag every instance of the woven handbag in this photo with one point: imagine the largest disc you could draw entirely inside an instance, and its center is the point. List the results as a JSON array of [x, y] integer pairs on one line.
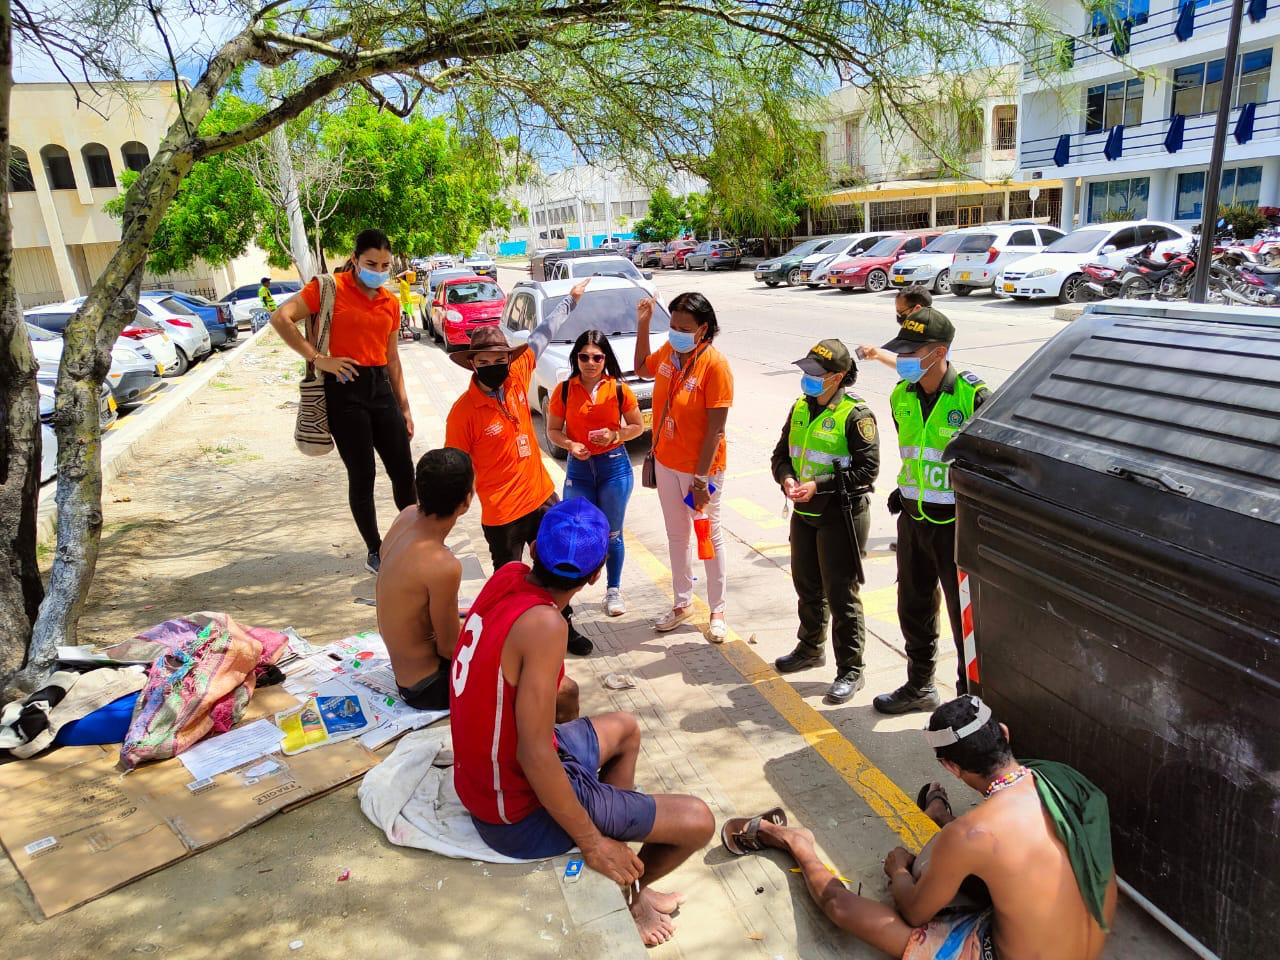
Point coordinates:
[[311, 432]]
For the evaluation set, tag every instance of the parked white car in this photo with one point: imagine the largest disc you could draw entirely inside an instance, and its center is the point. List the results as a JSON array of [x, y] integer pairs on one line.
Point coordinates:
[[813, 268], [54, 317], [1057, 271], [244, 301], [183, 325], [133, 374], [931, 267], [575, 268], [482, 265], [609, 305], [48, 439], [994, 247]]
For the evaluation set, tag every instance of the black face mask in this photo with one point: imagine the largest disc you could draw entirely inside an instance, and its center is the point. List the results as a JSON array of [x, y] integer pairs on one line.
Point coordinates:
[[494, 375]]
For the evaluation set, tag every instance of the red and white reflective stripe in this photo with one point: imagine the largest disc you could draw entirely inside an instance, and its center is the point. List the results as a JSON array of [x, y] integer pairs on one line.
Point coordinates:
[[966, 624]]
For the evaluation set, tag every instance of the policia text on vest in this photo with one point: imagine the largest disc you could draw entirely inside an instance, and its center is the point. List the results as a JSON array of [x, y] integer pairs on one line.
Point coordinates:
[[824, 564]]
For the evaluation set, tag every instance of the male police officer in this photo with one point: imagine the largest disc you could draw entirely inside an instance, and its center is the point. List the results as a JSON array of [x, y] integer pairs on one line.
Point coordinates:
[[931, 402], [264, 294], [827, 424]]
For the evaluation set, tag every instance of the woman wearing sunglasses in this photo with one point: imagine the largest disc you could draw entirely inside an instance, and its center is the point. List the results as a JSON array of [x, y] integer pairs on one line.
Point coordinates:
[[592, 415]]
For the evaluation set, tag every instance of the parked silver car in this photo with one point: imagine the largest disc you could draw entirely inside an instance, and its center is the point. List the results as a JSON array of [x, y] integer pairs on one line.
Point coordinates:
[[48, 439], [609, 305], [931, 267], [182, 324], [133, 375]]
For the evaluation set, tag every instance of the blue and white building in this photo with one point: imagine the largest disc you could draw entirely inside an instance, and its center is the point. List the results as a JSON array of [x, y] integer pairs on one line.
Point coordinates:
[[1128, 127]]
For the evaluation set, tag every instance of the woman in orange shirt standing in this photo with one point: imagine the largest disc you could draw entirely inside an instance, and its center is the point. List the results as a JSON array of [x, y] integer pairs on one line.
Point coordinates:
[[692, 393], [592, 415], [364, 391]]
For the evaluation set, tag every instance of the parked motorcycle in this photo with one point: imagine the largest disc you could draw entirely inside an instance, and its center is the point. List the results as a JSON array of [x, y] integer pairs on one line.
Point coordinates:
[[1102, 281]]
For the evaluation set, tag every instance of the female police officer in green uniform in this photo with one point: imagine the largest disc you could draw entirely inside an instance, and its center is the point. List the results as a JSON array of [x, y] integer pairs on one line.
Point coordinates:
[[827, 424]]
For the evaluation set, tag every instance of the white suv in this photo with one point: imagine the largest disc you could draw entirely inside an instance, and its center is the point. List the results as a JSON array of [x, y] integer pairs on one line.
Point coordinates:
[[608, 305], [988, 251]]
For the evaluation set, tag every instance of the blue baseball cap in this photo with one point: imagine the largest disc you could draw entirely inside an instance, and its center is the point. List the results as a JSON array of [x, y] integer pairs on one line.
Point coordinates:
[[573, 538]]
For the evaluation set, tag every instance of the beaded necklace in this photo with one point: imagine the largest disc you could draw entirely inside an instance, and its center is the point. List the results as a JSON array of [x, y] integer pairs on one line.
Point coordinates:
[[1003, 783]]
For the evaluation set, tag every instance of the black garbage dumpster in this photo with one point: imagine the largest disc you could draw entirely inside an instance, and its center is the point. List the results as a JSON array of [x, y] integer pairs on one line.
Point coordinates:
[[1118, 510]]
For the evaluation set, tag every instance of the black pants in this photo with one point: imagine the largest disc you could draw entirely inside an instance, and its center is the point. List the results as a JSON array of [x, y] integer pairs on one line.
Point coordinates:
[[825, 579], [507, 540], [927, 562], [365, 416]]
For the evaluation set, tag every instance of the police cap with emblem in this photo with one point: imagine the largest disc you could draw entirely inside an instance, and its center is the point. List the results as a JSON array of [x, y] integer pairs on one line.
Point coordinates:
[[925, 325], [826, 356]]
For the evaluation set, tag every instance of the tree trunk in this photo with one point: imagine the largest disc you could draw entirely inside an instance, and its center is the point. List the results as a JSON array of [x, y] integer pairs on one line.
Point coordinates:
[[20, 587], [299, 248], [86, 358]]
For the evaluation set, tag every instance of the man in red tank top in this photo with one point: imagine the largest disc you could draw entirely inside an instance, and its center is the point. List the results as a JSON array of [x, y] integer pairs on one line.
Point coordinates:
[[536, 788]]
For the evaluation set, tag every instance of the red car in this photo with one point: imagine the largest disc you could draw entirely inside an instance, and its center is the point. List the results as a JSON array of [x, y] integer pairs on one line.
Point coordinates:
[[461, 306], [869, 270], [673, 256]]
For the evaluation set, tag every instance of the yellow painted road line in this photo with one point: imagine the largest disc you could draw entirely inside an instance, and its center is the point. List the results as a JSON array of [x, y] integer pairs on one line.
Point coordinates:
[[755, 513], [881, 794]]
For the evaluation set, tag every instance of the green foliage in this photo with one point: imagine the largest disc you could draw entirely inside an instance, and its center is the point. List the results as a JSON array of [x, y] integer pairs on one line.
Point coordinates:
[[666, 219], [218, 210], [1245, 221], [1116, 216], [763, 170], [426, 185]]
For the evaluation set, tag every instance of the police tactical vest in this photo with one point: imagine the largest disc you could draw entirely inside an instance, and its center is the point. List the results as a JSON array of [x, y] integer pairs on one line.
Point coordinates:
[[924, 478], [816, 445]]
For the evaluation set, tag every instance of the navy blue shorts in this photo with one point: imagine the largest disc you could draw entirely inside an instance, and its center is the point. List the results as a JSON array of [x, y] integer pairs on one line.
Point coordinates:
[[618, 814]]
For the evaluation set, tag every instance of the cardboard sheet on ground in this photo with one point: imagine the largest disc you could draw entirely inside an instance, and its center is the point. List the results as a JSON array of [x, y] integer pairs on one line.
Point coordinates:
[[76, 828]]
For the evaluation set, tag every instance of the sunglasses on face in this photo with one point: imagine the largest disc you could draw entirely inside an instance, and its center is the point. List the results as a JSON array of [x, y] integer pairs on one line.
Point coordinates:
[[591, 357]]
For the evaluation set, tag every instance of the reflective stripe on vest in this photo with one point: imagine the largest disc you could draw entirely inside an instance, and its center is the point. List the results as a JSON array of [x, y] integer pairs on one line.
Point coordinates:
[[924, 478], [815, 445]]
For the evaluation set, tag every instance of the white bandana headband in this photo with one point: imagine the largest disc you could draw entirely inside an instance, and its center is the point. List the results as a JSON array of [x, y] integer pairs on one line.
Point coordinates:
[[948, 736]]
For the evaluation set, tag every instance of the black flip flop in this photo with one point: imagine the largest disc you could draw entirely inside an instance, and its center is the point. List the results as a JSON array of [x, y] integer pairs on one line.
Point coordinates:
[[741, 835]]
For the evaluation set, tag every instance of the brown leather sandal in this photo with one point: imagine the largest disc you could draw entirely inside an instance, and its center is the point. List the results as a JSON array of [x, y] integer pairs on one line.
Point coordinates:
[[741, 835]]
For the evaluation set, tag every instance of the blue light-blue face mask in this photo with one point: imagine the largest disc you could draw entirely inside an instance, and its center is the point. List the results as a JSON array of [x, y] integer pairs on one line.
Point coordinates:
[[811, 386], [372, 278], [680, 341], [911, 369]]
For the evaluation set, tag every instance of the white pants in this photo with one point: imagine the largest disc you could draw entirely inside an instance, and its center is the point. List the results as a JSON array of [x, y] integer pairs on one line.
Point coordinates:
[[672, 488]]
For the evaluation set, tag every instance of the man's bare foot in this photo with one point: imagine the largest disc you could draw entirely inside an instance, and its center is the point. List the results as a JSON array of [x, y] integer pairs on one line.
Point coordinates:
[[667, 903], [782, 838], [655, 925]]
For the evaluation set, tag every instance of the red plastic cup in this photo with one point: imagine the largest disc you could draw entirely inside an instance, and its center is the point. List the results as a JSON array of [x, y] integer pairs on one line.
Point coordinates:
[[702, 530]]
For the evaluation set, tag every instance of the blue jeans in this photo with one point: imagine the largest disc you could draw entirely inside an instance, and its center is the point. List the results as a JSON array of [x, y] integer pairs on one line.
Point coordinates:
[[606, 479]]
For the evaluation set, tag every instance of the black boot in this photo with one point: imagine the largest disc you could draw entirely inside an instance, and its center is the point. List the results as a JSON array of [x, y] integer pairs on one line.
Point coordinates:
[[845, 686], [909, 698], [801, 658]]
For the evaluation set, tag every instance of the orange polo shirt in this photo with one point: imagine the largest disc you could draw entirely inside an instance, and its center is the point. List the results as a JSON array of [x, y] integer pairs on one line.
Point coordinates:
[[678, 440], [510, 478], [585, 413], [361, 326]]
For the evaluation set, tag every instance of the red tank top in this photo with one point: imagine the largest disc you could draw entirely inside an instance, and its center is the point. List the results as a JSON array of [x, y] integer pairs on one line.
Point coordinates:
[[482, 704]]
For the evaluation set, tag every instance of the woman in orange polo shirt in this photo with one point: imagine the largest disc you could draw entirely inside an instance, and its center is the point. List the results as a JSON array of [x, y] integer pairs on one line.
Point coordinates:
[[363, 383], [692, 393], [592, 414]]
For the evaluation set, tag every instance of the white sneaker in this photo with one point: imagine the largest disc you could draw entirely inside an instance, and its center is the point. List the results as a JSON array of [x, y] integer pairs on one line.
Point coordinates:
[[717, 630], [614, 605]]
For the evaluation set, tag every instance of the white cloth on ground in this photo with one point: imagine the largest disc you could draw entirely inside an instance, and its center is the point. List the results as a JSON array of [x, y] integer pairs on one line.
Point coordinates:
[[415, 804]]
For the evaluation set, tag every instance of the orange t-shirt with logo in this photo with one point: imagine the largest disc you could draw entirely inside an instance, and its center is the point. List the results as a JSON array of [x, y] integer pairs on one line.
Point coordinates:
[[677, 441], [361, 325], [510, 478], [585, 413]]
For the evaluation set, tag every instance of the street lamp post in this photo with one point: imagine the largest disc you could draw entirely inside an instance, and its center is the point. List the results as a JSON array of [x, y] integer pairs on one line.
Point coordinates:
[[1212, 179]]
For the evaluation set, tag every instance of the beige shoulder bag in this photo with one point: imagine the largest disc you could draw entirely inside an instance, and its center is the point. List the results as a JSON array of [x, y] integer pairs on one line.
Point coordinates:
[[311, 432]]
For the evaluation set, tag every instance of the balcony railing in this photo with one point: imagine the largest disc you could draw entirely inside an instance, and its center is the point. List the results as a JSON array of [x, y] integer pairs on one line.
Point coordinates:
[[1144, 139], [1126, 38]]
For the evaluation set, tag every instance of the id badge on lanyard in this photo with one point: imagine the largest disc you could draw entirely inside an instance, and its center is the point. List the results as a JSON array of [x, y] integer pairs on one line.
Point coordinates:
[[523, 447]]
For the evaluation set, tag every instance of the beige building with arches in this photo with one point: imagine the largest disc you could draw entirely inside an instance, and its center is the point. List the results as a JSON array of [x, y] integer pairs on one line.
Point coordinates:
[[67, 160]]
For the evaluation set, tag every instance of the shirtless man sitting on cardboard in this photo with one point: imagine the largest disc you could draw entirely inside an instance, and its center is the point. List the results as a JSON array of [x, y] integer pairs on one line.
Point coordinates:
[[1040, 843], [418, 584]]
